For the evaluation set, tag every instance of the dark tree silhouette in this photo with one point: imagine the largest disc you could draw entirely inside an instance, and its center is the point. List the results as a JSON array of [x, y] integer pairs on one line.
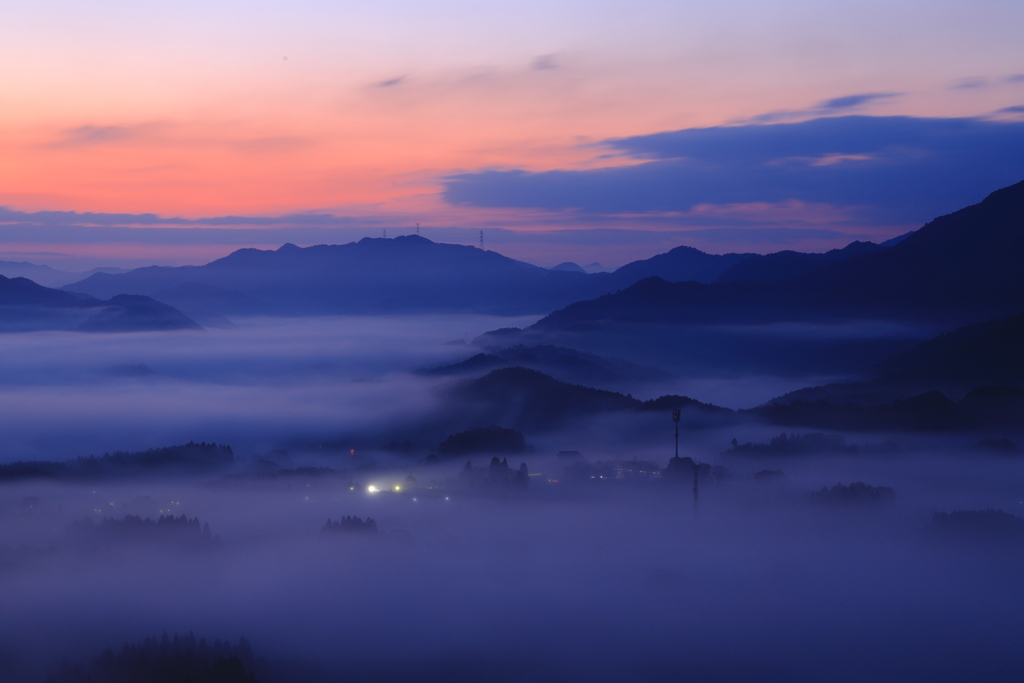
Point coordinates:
[[177, 660]]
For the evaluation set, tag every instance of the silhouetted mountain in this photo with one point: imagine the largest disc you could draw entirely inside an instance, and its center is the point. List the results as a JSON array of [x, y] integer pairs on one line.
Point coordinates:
[[25, 305], [565, 364], [987, 353], [533, 401], [784, 265], [189, 458], [931, 411], [682, 264], [671, 402], [45, 275], [990, 353], [19, 291], [962, 267], [134, 313], [403, 274]]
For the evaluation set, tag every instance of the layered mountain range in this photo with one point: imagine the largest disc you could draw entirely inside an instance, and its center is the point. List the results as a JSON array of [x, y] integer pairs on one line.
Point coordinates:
[[960, 268], [411, 274], [25, 305]]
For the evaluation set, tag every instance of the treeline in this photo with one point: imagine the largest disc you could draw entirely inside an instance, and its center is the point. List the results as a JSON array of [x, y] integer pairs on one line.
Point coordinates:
[[134, 529], [986, 526], [497, 475], [185, 459], [178, 660], [804, 444], [350, 524], [855, 493]]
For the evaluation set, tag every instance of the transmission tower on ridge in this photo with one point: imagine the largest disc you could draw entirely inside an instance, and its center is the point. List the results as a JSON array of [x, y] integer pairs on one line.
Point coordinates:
[[417, 229], [481, 239]]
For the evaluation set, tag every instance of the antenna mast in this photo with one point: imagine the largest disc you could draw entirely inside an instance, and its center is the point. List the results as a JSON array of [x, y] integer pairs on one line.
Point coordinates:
[[417, 229], [481, 239]]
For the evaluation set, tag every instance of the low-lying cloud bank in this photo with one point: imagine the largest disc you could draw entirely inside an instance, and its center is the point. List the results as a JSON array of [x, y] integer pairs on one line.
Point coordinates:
[[569, 578]]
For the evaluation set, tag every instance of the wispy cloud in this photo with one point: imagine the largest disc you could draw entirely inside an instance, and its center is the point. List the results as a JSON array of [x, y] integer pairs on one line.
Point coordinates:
[[545, 62], [972, 83], [851, 101], [99, 135], [391, 82], [836, 105]]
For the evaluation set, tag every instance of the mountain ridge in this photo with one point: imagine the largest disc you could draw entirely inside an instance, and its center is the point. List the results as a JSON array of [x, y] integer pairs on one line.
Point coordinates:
[[958, 268], [398, 275], [26, 305]]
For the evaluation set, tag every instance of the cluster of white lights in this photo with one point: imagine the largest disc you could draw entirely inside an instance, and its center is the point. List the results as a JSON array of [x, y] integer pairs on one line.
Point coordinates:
[[373, 489]]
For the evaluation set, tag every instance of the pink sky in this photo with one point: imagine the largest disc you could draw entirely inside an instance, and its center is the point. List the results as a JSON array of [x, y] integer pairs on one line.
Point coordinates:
[[198, 109]]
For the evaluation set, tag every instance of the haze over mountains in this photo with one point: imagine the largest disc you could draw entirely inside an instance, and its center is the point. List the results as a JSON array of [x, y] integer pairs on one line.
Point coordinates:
[[410, 274], [989, 353], [45, 275], [26, 305], [483, 455], [959, 268]]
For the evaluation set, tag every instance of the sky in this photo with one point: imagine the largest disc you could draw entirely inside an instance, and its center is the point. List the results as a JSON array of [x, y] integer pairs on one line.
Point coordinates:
[[586, 131]]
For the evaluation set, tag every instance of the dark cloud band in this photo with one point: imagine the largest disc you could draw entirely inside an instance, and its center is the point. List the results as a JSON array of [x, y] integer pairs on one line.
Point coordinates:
[[895, 169]]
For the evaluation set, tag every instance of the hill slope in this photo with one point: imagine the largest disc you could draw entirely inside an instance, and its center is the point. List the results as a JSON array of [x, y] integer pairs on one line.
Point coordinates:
[[530, 400], [985, 354], [403, 274], [25, 305], [785, 265], [959, 268]]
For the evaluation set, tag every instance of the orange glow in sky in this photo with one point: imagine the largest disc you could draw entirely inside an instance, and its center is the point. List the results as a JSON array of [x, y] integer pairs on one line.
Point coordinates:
[[195, 109]]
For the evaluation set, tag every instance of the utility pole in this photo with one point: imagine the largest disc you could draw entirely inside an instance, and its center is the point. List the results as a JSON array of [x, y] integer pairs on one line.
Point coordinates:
[[675, 418], [696, 487]]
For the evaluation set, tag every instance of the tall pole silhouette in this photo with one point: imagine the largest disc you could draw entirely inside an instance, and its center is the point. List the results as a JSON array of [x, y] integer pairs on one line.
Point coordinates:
[[696, 487], [675, 418]]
